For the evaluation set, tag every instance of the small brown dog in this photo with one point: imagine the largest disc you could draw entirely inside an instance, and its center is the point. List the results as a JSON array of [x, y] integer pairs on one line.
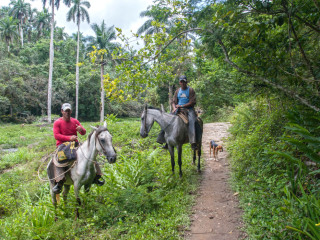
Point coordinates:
[[215, 149]]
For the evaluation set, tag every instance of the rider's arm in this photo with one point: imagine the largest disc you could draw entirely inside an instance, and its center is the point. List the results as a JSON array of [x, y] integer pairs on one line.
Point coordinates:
[[82, 129], [175, 100]]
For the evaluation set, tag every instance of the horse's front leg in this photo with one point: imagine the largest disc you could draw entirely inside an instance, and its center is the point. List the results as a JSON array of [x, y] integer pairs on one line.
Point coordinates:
[[194, 157], [171, 151], [199, 155], [87, 188], [76, 193], [65, 193], [54, 201], [179, 148]]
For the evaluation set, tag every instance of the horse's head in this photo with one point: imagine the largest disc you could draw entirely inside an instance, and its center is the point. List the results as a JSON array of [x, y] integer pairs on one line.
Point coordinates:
[[104, 143], [146, 122]]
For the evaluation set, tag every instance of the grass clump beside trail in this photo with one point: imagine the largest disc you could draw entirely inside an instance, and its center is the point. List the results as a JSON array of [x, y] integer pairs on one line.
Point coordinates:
[[275, 167], [141, 199]]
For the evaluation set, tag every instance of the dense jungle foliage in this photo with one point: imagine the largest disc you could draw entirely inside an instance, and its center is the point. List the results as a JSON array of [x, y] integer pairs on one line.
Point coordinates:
[[141, 199], [254, 63]]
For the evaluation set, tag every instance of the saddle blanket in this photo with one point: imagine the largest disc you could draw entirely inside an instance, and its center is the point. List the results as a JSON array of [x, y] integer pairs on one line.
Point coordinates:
[[67, 152], [183, 114], [184, 117]]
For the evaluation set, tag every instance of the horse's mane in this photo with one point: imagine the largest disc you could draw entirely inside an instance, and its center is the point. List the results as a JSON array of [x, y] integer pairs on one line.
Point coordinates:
[[98, 131], [151, 107]]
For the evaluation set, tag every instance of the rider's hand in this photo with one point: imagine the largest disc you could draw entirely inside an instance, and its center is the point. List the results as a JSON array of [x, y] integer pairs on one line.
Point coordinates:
[[73, 138], [174, 109], [79, 129]]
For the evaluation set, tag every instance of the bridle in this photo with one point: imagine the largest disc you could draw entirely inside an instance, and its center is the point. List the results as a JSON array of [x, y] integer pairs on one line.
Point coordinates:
[[98, 131], [145, 122], [99, 141]]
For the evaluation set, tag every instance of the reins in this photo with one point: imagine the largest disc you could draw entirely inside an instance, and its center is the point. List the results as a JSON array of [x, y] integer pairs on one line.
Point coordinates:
[[145, 122]]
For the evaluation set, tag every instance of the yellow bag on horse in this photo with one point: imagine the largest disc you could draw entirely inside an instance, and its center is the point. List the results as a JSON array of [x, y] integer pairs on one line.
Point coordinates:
[[67, 152]]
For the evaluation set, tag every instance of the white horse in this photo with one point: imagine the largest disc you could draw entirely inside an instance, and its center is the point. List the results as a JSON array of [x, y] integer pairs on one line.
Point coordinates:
[[83, 170], [176, 133]]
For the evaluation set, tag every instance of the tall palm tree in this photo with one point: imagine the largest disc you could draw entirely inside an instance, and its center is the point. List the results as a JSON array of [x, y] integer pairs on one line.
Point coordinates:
[[102, 40], [42, 21], [78, 13], [21, 11], [29, 27], [8, 30], [4, 11], [155, 14], [53, 3]]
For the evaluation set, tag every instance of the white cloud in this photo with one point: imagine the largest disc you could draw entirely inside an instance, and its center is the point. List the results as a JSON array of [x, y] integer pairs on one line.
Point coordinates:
[[120, 13]]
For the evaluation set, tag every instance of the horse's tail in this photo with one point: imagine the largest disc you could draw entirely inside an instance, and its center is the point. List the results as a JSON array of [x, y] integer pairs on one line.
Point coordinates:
[[58, 198], [50, 171], [200, 123]]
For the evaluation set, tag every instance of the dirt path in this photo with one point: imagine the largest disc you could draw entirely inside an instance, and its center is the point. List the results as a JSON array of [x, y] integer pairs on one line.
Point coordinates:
[[216, 215]]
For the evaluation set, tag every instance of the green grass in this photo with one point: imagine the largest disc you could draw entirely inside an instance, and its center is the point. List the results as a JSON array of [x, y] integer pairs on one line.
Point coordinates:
[[141, 199]]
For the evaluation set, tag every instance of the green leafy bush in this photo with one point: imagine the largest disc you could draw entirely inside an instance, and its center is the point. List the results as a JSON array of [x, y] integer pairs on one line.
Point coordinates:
[[274, 160]]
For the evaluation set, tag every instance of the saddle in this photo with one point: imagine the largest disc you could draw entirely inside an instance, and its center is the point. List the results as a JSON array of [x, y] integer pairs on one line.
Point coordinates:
[[66, 154], [183, 114]]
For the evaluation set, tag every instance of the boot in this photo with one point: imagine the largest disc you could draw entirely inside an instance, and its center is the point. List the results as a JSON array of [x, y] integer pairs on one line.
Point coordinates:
[[98, 181], [57, 188]]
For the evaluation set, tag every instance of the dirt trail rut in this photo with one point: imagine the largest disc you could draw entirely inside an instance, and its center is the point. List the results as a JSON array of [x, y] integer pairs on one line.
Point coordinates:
[[216, 215]]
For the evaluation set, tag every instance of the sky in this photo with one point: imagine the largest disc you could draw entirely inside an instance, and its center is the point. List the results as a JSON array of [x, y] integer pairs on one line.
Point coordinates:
[[123, 14]]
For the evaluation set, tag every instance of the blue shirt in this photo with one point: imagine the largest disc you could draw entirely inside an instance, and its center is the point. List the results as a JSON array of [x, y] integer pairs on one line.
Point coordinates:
[[183, 96]]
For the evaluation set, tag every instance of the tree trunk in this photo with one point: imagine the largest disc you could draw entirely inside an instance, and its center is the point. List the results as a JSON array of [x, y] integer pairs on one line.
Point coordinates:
[[170, 97], [102, 95], [51, 66], [21, 33], [77, 73]]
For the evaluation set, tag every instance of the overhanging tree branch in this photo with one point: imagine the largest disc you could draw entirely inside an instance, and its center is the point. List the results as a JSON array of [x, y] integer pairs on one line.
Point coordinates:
[[265, 80], [183, 32], [313, 27], [309, 65]]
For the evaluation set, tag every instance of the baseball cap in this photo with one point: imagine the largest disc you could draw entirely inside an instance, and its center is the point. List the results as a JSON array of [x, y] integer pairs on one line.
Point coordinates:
[[182, 78], [66, 106]]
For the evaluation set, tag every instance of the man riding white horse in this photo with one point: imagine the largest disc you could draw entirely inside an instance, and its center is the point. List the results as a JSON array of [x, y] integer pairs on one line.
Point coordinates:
[[184, 97], [65, 129]]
